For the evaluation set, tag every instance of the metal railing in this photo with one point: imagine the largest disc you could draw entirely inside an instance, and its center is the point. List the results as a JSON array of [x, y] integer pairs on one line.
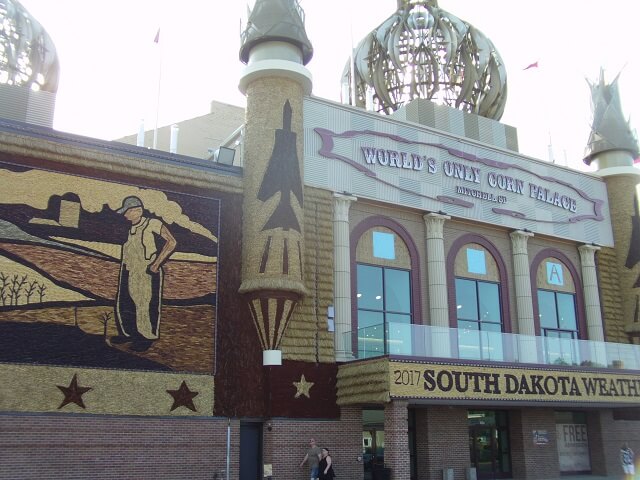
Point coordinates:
[[400, 339]]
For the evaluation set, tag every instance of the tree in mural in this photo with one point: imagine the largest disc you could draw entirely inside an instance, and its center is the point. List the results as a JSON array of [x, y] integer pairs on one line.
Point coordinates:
[[30, 289], [105, 318], [4, 288], [16, 287], [17, 283], [42, 291]]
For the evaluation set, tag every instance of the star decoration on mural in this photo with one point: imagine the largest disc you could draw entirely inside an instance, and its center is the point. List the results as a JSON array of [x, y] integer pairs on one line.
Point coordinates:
[[73, 393], [303, 387], [183, 397]]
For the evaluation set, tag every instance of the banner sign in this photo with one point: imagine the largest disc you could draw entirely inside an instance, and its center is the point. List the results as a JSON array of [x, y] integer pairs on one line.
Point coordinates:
[[404, 164], [573, 447], [482, 382]]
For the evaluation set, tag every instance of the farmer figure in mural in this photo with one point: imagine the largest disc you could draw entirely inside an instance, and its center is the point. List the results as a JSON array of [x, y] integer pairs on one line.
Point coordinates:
[[139, 298]]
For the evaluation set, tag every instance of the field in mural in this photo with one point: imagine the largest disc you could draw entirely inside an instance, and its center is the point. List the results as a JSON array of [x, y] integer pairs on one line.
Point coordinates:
[[106, 275]]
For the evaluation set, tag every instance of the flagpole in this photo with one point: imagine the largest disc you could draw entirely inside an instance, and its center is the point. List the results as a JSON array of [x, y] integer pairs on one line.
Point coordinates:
[[155, 130], [352, 67]]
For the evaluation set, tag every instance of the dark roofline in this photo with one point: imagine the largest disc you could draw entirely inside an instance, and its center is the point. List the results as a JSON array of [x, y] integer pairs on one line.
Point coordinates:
[[108, 146]]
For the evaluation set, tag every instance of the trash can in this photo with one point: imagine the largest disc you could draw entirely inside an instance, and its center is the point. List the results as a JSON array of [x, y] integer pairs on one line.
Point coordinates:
[[447, 473], [471, 474], [381, 473]]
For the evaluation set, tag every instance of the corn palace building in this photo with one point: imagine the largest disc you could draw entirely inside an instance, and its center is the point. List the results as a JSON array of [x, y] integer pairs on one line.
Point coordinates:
[[388, 276]]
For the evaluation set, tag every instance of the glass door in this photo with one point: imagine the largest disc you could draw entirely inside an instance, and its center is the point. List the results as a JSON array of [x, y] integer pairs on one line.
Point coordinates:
[[372, 441], [489, 444], [483, 450]]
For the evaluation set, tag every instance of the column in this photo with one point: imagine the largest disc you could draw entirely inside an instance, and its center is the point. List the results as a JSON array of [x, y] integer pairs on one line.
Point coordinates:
[[593, 312], [524, 304], [342, 276], [396, 439], [437, 288]]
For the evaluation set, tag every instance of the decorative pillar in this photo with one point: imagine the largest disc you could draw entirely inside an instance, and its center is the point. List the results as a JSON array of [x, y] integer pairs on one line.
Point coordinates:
[[275, 49], [524, 304], [342, 275], [437, 279], [591, 293], [593, 311]]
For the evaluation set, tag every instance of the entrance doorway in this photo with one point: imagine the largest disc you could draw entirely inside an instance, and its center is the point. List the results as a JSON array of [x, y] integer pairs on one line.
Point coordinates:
[[250, 451], [489, 444], [372, 442]]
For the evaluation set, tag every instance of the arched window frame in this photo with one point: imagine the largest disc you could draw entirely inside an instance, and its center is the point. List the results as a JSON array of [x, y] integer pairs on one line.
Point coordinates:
[[577, 282], [357, 232], [457, 245]]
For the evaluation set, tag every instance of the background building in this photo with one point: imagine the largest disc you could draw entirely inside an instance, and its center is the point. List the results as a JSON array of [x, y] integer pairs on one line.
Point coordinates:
[[405, 288]]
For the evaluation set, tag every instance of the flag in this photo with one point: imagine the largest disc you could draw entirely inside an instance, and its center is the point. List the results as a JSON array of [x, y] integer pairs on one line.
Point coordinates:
[[533, 65], [157, 39]]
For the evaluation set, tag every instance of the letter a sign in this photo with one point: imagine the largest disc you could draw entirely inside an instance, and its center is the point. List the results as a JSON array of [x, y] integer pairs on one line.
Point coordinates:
[[554, 274]]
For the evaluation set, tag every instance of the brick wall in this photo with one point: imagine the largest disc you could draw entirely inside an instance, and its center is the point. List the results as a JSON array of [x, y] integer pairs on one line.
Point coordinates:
[[442, 440], [529, 460], [396, 439], [606, 436], [81, 447], [286, 444], [596, 431]]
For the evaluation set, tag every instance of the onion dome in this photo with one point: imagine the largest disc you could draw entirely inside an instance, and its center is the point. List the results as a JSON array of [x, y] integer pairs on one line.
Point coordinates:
[[609, 129], [27, 54], [422, 51]]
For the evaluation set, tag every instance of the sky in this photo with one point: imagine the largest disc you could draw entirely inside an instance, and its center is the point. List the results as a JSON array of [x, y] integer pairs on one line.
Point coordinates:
[[113, 75]]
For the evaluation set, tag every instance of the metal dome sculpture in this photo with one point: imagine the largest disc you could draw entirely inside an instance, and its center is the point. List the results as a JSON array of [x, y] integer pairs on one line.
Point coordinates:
[[27, 54], [422, 51]]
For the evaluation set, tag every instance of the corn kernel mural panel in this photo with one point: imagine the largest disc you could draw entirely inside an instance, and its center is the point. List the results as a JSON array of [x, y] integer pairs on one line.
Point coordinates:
[[105, 275]]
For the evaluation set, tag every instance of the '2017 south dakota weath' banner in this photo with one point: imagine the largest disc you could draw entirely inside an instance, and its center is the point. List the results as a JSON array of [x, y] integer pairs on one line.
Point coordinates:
[[482, 382]]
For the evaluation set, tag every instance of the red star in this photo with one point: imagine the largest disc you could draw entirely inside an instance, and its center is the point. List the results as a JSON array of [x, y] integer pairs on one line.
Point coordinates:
[[73, 393], [183, 397]]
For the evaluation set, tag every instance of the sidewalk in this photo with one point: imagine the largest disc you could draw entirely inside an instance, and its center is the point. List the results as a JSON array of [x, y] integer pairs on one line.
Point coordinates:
[[586, 477]]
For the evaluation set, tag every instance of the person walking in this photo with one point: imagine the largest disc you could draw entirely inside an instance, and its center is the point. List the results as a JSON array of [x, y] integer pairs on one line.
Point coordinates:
[[626, 458], [326, 466], [313, 459]]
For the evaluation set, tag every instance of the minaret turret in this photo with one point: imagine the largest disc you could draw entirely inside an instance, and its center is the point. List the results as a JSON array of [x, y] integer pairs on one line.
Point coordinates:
[[611, 142], [612, 149], [275, 49]]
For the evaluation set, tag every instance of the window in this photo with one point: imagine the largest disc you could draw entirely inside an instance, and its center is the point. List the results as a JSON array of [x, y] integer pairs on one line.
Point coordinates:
[[557, 312], [478, 304], [384, 309], [479, 320], [558, 325], [383, 294]]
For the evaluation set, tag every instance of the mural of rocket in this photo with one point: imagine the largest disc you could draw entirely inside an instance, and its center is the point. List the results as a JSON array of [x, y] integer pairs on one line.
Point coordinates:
[[275, 83], [283, 175], [280, 236]]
